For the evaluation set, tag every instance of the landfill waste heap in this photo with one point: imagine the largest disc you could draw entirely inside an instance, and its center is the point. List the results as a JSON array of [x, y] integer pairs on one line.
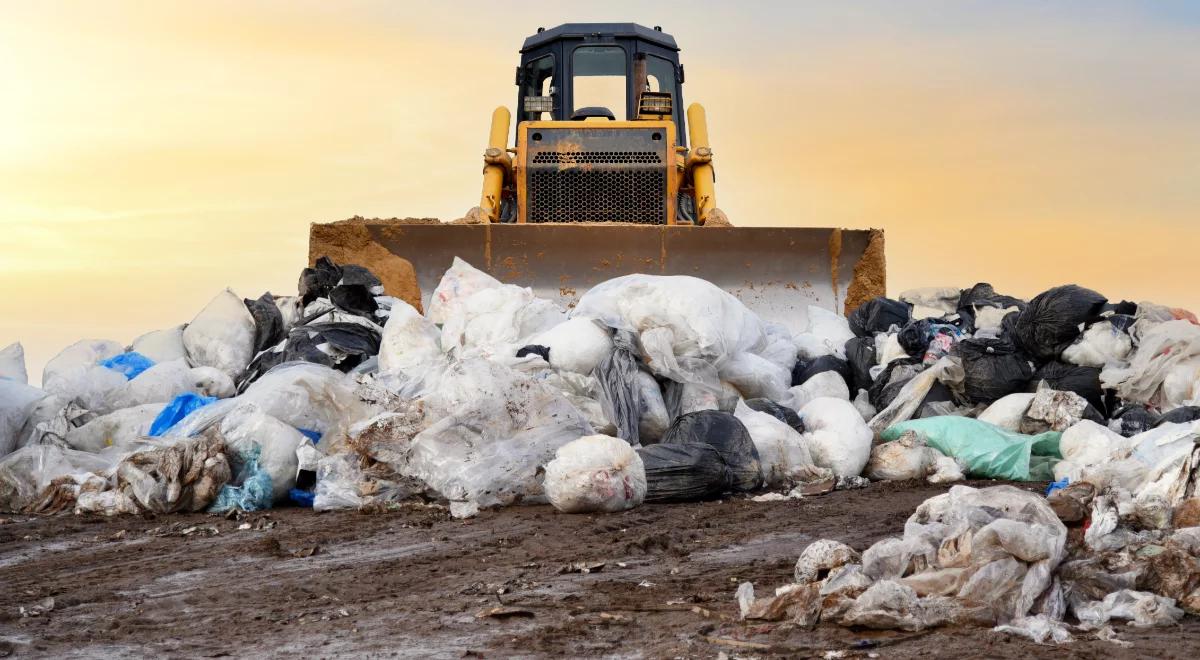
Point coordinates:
[[669, 389]]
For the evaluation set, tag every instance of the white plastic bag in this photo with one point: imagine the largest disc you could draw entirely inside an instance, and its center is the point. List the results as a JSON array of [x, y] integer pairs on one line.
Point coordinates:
[[17, 401], [83, 353], [836, 436], [75, 374], [166, 380], [161, 345], [989, 320], [890, 350], [1087, 443], [12, 363], [222, 335], [309, 397], [1100, 345], [778, 346], [783, 455], [596, 473], [122, 429], [822, 556], [496, 320], [25, 473], [755, 377], [828, 384], [931, 302], [654, 420], [248, 431], [409, 343], [458, 283], [339, 478], [1181, 386], [1008, 411], [495, 427], [826, 333], [690, 318], [906, 458], [1141, 608], [1160, 347], [577, 344]]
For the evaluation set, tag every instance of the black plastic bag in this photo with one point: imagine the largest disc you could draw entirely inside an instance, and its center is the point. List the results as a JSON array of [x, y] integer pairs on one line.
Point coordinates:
[[355, 299], [1084, 381], [684, 472], [337, 345], [353, 339], [1124, 308], [938, 393], [268, 321], [878, 315], [982, 295], [993, 368], [1121, 322], [1134, 419], [892, 379], [316, 282], [534, 349], [1053, 320], [355, 275], [728, 435], [914, 337], [860, 354], [619, 394], [779, 412], [1180, 416], [806, 369]]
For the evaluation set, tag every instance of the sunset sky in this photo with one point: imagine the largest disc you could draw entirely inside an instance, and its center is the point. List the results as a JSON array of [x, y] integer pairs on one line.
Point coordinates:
[[153, 153]]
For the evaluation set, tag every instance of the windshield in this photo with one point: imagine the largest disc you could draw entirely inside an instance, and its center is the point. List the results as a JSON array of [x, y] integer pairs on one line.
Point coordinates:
[[598, 76]]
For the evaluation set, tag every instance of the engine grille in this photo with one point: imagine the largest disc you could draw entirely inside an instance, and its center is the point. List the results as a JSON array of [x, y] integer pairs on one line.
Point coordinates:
[[597, 175]]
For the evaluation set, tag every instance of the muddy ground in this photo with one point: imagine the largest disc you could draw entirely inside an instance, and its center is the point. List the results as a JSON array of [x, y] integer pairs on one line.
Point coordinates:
[[415, 583]]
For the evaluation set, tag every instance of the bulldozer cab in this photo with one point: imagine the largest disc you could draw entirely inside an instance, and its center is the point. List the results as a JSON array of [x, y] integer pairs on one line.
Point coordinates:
[[601, 71]]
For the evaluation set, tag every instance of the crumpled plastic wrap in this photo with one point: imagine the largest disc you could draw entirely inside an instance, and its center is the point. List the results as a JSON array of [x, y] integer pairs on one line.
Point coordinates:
[[495, 427]]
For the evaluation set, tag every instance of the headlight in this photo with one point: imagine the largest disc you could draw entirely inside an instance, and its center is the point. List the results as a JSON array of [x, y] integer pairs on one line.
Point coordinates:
[[654, 103], [539, 104]]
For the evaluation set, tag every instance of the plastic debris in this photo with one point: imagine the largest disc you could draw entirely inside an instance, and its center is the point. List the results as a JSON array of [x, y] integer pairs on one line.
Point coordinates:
[[596, 473]]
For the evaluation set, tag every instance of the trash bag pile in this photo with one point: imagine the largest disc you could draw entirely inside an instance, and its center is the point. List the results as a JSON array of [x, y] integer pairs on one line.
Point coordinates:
[[1085, 558], [651, 389]]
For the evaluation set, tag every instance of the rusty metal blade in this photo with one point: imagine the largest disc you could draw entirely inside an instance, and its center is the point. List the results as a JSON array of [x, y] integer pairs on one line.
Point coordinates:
[[775, 271]]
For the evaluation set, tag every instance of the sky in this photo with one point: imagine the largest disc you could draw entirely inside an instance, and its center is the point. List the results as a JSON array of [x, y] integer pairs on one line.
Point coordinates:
[[152, 154]]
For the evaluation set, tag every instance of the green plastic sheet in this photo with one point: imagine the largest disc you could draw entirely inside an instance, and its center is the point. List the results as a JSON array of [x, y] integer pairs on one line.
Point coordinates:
[[988, 450]]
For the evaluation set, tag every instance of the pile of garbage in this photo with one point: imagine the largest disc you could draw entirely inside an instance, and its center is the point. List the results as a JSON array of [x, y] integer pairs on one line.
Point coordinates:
[[651, 389], [668, 389], [1043, 568]]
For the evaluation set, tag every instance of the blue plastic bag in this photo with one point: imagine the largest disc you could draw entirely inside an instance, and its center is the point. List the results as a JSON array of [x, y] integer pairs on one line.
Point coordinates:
[[1058, 485], [178, 408], [302, 498], [255, 493], [130, 364]]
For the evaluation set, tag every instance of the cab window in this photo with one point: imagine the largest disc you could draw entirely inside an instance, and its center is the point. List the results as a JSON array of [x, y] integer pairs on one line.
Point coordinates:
[[538, 81], [598, 78]]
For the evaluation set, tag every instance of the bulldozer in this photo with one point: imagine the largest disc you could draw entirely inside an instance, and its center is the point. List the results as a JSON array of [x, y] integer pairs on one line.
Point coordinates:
[[607, 175]]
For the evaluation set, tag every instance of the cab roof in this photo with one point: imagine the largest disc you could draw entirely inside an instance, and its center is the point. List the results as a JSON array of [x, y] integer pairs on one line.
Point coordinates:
[[581, 30]]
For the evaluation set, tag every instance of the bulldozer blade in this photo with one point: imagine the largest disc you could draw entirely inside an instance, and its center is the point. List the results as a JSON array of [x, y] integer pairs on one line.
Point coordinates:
[[776, 271]]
